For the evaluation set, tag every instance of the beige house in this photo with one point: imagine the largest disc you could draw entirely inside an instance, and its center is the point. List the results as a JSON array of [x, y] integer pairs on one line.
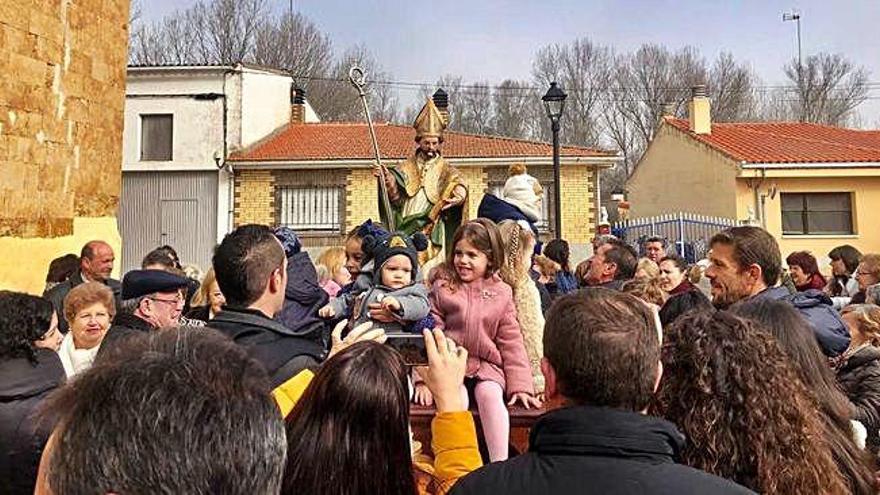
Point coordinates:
[[317, 177], [812, 186]]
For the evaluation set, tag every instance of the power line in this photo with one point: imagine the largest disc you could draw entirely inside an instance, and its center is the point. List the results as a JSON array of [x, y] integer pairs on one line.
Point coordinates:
[[411, 85]]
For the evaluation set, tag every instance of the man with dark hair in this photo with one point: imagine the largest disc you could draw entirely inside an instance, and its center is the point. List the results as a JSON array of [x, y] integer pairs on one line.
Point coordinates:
[[745, 262], [251, 269], [602, 366], [179, 411], [95, 265], [612, 264], [654, 248]]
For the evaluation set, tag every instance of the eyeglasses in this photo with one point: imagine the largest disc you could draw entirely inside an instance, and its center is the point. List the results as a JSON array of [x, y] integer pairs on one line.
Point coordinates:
[[176, 301]]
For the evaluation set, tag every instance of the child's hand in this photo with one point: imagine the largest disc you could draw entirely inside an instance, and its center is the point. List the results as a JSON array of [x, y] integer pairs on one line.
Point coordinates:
[[528, 400], [326, 312], [444, 374], [391, 304], [423, 396]]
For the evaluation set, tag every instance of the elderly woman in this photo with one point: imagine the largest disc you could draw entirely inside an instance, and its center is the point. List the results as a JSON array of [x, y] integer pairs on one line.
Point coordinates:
[[29, 371], [88, 309], [804, 271], [208, 300], [868, 275], [858, 368]]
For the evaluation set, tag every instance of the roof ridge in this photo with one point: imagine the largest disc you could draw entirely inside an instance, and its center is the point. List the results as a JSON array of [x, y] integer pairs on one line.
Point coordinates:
[[526, 141], [816, 140]]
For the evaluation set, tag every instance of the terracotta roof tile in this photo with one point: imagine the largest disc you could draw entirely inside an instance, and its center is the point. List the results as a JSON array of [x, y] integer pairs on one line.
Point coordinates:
[[788, 142], [339, 141]]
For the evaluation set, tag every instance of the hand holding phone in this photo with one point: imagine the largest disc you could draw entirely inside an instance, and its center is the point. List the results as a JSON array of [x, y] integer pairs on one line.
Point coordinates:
[[444, 375]]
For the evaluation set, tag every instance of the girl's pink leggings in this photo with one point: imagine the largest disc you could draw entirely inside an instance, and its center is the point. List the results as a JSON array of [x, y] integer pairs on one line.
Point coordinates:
[[493, 416]]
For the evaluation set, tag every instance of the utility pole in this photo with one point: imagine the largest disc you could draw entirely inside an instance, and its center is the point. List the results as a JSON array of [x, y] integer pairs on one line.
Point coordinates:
[[795, 16]]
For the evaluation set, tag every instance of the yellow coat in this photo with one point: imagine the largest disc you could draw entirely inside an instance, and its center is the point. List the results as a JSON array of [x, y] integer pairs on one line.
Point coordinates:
[[453, 438]]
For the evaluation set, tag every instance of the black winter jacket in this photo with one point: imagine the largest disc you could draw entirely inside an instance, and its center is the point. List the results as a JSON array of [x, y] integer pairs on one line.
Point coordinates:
[[282, 352], [124, 324], [23, 387], [303, 297], [587, 450], [859, 375]]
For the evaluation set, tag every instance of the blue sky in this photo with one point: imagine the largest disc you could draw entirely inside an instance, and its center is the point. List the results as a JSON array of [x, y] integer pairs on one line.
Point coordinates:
[[493, 40]]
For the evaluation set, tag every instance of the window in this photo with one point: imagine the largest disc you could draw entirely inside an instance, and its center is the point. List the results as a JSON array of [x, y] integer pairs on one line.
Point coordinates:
[[545, 221], [310, 208], [817, 213], [156, 138]]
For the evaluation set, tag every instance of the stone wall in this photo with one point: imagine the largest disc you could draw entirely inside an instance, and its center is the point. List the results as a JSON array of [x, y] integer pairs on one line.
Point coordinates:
[[62, 83]]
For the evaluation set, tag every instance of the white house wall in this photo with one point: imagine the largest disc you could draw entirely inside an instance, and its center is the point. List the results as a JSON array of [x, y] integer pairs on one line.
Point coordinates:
[[197, 133], [265, 105]]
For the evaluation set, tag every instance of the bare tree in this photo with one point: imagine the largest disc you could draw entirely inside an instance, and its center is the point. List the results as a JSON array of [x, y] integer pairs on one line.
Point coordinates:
[[732, 90], [828, 89], [334, 98], [294, 44], [475, 109], [582, 68], [217, 32], [511, 103]]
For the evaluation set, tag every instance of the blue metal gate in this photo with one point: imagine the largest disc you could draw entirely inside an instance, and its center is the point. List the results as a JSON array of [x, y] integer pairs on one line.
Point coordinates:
[[688, 232]]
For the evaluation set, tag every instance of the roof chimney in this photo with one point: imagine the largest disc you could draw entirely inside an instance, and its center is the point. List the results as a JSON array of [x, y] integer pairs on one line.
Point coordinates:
[[441, 99], [699, 111], [667, 109], [297, 104]]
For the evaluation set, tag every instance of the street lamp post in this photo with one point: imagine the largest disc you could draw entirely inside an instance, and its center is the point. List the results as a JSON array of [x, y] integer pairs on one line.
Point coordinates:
[[554, 103]]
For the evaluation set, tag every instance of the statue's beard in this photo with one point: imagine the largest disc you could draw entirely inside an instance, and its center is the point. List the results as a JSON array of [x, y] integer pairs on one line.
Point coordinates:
[[429, 154]]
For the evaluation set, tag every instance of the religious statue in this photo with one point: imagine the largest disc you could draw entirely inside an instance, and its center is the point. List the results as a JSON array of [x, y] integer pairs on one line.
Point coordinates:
[[426, 193]]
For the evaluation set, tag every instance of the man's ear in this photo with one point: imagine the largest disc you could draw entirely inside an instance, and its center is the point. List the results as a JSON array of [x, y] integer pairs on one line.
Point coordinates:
[[756, 274], [609, 268], [275, 281], [551, 384], [659, 375]]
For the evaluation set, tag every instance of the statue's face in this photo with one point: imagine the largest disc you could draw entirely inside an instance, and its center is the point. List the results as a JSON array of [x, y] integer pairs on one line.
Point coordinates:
[[430, 146]]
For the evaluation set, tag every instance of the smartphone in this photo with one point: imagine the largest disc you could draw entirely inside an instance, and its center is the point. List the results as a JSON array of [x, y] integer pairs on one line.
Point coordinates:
[[411, 346]]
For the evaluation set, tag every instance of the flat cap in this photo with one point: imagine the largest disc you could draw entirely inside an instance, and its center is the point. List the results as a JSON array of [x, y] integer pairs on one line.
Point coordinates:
[[139, 283]]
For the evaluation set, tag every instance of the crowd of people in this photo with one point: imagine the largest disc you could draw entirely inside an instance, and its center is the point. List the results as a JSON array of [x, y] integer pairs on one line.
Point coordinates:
[[270, 373]]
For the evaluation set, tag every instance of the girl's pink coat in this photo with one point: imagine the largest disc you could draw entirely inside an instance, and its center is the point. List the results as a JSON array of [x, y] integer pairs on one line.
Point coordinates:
[[481, 317]]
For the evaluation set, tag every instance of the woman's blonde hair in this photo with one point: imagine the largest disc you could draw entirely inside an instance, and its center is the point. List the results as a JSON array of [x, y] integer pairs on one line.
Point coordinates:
[[868, 320], [645, 288], [86, 294], [517, 241], [547, 267], [329, 262], [201, 297], [650, 268]]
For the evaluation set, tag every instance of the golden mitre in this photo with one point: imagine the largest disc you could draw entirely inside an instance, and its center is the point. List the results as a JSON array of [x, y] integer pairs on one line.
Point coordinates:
[[430, 122]]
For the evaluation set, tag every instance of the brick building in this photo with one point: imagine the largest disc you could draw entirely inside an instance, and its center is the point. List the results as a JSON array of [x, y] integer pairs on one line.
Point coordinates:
[[62, 78], [317, 177]]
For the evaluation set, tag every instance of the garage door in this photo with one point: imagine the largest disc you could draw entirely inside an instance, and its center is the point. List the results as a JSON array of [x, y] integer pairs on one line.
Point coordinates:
[[174, 208]]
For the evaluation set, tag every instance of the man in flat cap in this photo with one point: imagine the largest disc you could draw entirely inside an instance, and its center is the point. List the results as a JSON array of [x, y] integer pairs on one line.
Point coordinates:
[[151, 299]]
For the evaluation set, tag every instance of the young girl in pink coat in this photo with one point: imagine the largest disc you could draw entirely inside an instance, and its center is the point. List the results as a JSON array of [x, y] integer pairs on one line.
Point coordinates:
[[475, 308]]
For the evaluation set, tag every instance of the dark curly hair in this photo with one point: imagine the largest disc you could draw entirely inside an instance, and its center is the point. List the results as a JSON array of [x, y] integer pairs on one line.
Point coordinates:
[[795, 337], [23, 319], [743, 407]]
